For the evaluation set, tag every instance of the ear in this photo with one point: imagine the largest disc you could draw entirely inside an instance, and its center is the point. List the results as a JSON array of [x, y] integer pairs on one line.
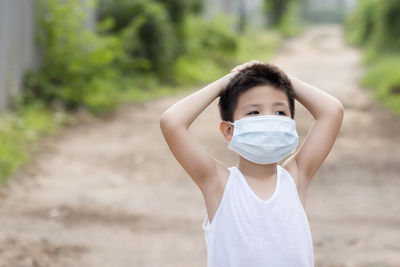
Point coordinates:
[[226, 130]]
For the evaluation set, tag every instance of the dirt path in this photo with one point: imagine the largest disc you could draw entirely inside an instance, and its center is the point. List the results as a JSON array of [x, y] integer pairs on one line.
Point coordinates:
[[108, 192]]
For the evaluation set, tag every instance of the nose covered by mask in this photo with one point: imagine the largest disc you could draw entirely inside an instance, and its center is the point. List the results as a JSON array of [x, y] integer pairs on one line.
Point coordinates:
[[264, 139]]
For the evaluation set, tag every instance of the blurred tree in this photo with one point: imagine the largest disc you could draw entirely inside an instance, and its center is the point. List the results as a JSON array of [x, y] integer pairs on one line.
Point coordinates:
[[375, 24], [275, 10], [148, 41], [177, 10], [195, 6], [153, 32], [283, 15], [242, 24], [149, 36], [73, 57], [360, 25], [387, 35]]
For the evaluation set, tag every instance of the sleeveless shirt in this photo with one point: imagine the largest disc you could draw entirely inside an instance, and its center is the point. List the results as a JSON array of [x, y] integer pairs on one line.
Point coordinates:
[[247, 231]]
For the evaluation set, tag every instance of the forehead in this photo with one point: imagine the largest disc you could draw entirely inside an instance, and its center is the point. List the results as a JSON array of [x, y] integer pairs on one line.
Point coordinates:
[[263, 94]]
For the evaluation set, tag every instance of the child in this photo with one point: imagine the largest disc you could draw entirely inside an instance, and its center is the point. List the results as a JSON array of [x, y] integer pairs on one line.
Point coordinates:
[[255, 210]]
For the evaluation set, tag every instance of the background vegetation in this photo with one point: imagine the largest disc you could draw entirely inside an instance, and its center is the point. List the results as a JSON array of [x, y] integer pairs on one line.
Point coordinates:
[[283, 15], [375, 26], [138, 50], [141, 49]]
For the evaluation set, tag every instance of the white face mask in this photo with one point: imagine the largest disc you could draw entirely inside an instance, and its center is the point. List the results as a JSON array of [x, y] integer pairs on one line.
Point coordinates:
[[264, 139]]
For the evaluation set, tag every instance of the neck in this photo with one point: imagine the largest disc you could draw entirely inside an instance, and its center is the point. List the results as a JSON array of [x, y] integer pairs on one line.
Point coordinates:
[[255, 170]]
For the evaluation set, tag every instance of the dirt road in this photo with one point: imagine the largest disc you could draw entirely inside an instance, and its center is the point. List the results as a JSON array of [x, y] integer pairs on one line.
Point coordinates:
[[107, 192]]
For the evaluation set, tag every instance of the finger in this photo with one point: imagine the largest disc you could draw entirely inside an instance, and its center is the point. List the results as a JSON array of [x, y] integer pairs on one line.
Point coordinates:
[[237, 68], [253, 62]]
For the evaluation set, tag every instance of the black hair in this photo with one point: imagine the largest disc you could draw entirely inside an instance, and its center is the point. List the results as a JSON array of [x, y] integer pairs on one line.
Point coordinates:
[[255, 75]]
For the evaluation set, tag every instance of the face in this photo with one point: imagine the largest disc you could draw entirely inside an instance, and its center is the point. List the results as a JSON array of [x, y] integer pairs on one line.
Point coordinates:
[[259, 100], [262, 100]]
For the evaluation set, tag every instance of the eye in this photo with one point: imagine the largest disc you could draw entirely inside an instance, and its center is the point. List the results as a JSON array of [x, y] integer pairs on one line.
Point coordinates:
[[255, 112], [280, 113]]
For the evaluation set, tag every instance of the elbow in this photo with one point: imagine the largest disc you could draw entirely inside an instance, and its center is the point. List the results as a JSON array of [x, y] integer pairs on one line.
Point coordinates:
[[332, 110], [170, 127], [167, 122], [337, 110], [164, 121]]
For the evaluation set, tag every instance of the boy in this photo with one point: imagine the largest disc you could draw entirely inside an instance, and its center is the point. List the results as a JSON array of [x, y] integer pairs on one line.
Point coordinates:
[[255, 210]]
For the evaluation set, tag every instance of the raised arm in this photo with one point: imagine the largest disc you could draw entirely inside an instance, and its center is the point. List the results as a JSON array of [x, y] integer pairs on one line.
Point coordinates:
[[328, 114], [175, 123]]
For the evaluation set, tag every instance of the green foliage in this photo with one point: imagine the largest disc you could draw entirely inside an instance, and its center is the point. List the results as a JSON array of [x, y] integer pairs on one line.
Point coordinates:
[[19, 130], [375, 26], [124, 11], [195, 7], [121, 12], [211, 47], [135, 47], [72, 55], [283, 15], [276, 10], [196, 70], [12, 154], [151, 37], [387, 34], [212, 38], [384, 78], [258, 45], [148, 42], [81, 68], [176, 10], [361, 25], [290, 24]]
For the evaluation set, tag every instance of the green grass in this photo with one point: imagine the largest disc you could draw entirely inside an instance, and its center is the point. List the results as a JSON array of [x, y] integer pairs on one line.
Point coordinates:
[[19, 130], [383, 78]]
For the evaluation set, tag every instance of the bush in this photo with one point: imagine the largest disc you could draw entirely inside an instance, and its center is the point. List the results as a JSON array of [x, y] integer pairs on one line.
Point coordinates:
[[149, 38], [210, 46], [387, 31], [283, 15], [384, 78], [19, 130], [148, 42], [212, 39], [72, 55], [361, 24], [375, 25]]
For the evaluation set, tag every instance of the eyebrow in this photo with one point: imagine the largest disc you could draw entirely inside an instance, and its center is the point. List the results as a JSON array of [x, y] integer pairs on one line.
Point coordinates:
[[251, 105], [282, 104]]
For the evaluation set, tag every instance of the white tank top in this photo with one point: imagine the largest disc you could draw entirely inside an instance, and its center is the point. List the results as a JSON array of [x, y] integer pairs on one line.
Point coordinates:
[[247, 231]]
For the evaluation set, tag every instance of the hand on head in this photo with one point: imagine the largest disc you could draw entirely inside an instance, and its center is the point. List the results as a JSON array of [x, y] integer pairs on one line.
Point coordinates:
[[246, 65]]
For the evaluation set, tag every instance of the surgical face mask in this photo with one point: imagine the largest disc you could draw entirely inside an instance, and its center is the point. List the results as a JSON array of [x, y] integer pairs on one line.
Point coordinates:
[[264, 139]]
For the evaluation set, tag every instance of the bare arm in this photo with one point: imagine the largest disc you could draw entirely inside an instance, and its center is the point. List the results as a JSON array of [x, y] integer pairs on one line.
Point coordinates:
[[175, 123], [328, 114]]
